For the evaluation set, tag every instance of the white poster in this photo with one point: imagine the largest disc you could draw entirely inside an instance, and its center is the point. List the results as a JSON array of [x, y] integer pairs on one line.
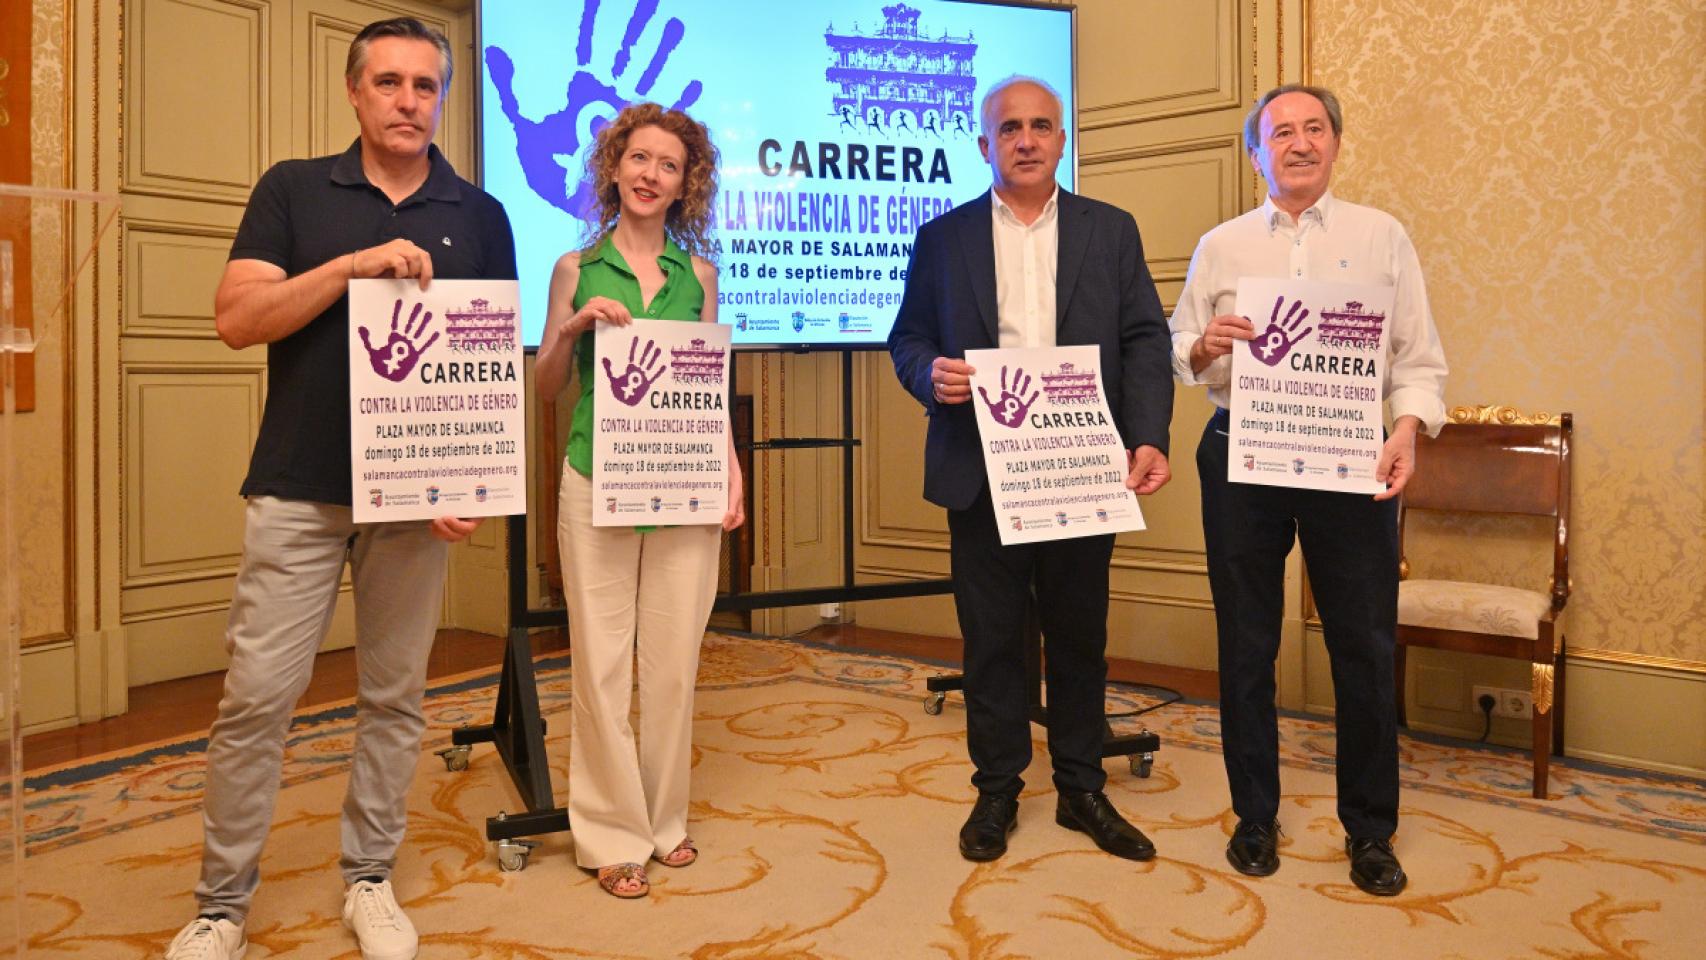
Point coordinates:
[[1306, 392], [660, 434], [437, 426], [1056, 464]]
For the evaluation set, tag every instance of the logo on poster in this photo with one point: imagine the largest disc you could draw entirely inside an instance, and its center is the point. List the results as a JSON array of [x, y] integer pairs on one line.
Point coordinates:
[[376, 497], [1249, 461], [432, 495], [1272, 344], [1297, 466], [1101, 515], [1071, 385], [697, 363], [692, 504], [1010, 407], [480, 493], [644, 368], [609, 504], [799, 320], [657, 504], [1060, 517], [404, 348], [480, 328], [1342, 470]]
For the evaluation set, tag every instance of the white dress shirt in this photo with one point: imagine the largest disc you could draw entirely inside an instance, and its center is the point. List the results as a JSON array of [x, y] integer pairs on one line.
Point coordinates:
[[1333, 241], [1025, 260]]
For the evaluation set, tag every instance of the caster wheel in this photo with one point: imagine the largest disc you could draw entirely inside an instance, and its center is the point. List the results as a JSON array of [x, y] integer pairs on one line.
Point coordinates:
[[933, 703], [1141, 763], [455, 758], [513, 854]]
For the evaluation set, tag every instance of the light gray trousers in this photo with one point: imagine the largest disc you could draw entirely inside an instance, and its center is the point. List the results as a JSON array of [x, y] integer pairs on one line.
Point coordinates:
[[287, 588]]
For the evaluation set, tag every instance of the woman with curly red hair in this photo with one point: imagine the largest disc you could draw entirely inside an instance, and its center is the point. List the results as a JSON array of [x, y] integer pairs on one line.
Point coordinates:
[[644, 591]]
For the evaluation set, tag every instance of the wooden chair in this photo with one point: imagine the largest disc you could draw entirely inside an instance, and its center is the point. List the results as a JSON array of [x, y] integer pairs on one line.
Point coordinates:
[[1494, 460]]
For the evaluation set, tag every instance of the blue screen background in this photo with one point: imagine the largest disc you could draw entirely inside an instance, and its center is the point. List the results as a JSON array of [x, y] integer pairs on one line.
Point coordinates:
[[552, 72]]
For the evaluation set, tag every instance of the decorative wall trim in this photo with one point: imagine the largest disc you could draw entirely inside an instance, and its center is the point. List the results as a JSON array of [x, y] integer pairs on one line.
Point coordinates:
[[1221, 95], [132, 243], [1638, 659], [138, 178]]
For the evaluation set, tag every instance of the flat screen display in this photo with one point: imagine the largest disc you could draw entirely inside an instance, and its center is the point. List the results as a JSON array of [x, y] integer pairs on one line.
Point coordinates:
[[843, 125]]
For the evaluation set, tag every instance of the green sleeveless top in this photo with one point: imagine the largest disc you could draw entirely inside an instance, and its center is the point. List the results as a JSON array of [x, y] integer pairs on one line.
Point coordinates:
[[605, 274]]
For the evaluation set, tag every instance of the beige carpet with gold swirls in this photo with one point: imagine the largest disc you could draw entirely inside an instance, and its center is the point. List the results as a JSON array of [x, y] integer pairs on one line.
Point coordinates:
[[826, 803]]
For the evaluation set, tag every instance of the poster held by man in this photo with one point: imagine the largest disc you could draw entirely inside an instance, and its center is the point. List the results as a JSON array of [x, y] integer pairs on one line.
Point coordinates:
[[1307, 400], [436, 418], [1055, 461]]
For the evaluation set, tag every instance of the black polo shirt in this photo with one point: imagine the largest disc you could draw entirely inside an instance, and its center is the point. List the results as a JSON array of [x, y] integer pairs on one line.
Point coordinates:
[[304, 213]]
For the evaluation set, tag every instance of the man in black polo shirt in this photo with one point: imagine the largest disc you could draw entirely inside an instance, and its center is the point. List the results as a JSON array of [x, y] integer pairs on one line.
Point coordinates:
[[389, 206]]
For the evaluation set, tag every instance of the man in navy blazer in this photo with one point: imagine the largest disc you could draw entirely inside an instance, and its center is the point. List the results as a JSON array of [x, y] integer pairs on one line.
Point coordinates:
[[1029, 264]]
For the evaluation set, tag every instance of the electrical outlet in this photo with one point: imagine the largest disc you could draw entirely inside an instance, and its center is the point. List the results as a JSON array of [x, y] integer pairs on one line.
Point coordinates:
[[829, 611], [1511, 704]]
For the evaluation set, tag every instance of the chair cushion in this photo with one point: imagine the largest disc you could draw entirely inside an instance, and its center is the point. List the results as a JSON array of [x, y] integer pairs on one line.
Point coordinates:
[[1472, 607]]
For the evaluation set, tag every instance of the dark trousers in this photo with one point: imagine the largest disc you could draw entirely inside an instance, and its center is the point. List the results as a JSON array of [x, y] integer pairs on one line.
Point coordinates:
[[993, 585], [1350, 546]]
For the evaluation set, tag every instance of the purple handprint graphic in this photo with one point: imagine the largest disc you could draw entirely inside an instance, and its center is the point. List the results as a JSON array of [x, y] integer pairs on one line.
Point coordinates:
[[630, 385], [1274, 343], [398, 355], [544, 146], [1009, 410]]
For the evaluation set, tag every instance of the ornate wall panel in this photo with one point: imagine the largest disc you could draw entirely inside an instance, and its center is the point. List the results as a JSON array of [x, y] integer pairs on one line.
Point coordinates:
[[42, 507], [1150, 59], [198, 97], [896, 514], [1176, 191], [170, 273], [1550, 163], [331, 123], [189, 430]]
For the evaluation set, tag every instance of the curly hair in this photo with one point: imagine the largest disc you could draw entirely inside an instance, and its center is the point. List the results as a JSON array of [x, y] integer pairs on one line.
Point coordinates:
[[689, 219]]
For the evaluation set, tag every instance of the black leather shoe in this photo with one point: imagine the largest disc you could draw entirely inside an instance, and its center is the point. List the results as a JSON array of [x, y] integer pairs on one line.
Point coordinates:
[[993, 817], [1254, 848], [1374, 868], [1092, 813]]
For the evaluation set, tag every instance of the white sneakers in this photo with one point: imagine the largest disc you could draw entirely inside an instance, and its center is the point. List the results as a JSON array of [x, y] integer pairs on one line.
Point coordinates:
[[370, 912], [379, 925], [204, 939]]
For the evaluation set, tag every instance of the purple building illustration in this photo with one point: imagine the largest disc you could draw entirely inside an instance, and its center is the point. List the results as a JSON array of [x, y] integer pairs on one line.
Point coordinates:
[[480, 328], [903, 72], [1351, 327], [1070, 386], [697, 363]]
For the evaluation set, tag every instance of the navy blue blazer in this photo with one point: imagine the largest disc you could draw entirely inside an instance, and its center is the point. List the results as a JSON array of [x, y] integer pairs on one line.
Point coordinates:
[[1103, 297]]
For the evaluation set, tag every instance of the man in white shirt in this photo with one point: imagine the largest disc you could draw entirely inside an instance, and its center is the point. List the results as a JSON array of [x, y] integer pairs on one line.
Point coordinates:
[[1350, 541]]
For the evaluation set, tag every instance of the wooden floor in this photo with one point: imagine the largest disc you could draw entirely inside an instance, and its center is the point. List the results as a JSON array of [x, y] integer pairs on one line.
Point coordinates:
[[186, 707]]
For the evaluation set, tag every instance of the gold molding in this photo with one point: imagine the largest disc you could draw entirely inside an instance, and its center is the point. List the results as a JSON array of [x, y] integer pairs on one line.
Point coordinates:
[[1490, 413], [1638, 660], [1160, 600], [1540, 677], [43, 640]]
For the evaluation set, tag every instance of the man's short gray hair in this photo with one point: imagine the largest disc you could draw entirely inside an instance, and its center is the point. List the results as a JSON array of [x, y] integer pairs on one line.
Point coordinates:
[[1001, 86], [1253, 122], [409, 29]]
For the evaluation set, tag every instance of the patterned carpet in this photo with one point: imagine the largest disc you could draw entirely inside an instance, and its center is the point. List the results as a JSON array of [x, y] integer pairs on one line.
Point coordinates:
[[826, 804]]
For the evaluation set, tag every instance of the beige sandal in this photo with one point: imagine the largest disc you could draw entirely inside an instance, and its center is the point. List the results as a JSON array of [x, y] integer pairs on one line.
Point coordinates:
[[683, 854], [609, 877]]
